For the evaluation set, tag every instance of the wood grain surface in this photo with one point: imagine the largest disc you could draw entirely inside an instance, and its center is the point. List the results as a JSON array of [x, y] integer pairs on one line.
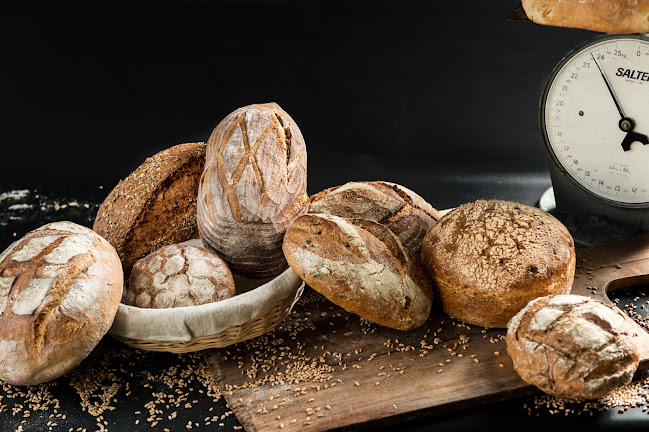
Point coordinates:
[[325, 368]]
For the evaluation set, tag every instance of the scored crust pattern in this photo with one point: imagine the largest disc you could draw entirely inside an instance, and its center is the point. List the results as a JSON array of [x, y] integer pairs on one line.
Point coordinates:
[[572, 346]]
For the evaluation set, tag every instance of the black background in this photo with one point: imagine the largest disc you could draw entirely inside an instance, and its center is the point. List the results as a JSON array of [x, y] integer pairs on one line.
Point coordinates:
[[405, 91]]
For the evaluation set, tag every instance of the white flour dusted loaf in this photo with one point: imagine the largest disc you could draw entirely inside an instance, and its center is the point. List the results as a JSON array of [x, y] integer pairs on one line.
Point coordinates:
[[572, 346], [252, 188], [179, 275], [362, 267], [60, 287], [404, 212]]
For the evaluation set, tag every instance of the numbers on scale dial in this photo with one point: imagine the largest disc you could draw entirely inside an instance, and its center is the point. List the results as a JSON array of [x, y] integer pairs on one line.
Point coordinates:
[[584, 119]]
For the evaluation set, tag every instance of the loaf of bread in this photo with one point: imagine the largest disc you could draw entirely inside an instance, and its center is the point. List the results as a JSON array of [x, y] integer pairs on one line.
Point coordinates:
[[609, 16], [252, 188], [404, 212], [362, 267], [153, 206], [489, 258], [572, 346], [179, 275], [60, 286]]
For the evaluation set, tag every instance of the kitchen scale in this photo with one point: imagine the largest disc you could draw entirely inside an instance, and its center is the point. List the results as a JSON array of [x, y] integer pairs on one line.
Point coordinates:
[[594, 118]]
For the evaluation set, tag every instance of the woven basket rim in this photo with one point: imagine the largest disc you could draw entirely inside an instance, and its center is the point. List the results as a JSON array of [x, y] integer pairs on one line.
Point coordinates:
[[184, 324]]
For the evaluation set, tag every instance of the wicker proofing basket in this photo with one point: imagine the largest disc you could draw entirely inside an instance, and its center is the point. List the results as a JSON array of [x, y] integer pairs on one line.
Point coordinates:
[[252, 313]]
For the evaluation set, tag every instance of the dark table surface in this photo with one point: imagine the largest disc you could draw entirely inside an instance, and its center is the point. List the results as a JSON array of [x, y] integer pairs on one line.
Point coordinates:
[[119, 388]]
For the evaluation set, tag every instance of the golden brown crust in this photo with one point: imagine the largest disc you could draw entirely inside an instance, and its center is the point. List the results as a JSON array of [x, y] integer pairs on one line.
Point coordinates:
[[489, 258], [253, 186], [60, 287], [573, 346], [361, 266], [404, 212], [155, 205], [609, 16]]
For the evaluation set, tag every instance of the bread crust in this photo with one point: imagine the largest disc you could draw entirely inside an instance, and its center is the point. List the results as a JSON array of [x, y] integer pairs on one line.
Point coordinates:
[[404, 212], [60, 286], [609, 16], [153, 206], [489, 258], [573, 346], [361, 266], [252, 188], [177, 276]]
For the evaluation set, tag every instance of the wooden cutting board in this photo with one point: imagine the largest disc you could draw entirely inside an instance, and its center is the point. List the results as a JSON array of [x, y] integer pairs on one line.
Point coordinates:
[[325, 368]]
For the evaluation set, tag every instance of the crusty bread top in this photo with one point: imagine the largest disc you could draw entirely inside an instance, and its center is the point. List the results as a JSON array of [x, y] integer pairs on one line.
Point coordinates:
[[610, 16], [149, 186], [498, 246]]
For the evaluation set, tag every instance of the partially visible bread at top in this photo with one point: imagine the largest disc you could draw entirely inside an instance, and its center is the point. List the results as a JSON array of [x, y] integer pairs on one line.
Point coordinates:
[[609, 16], [155, 205], [60, 287], [362, 267], [404, 212], [252, 188], [177, 276], [489, 258]]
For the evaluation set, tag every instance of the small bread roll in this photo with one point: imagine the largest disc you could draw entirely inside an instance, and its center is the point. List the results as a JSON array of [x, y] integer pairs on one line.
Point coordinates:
[[252, 188], [572, 346], [489, 258], [179, 275], [153, 206], [362, 267], [404, 212], [609, 16], [60, 288]]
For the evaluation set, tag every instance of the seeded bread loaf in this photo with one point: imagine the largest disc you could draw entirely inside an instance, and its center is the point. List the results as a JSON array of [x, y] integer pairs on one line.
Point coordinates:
[[153, 206], [404, 212], [60, 287], [177, 276], [361, 266], [572, 346], [489, 258], [252, 188], [609, 16]]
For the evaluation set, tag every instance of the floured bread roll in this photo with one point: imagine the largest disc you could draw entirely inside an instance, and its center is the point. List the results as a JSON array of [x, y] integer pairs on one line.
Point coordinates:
[[489, 258], [404, 212], [60, 287], [179, 275], [572, 346], [362, 267]]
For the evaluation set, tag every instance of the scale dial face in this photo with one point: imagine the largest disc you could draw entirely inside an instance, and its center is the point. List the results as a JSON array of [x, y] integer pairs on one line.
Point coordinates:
[[595, 118]]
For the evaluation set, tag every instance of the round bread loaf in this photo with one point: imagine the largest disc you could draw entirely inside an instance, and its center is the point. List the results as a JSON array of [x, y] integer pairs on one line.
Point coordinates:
[[179, 275], [572, 346], [153, 206], [404, 212], [609, 16], [489, 258], [252, 188], [60, 286], [362, 267]]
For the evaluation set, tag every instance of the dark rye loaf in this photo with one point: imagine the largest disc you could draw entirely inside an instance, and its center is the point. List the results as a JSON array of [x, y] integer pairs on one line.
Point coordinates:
[[155, 205]]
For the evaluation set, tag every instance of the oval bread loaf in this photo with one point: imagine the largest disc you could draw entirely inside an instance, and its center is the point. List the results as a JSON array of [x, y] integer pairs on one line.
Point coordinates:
[[404, 212], [572, 346], [60, 286], [153, 206], [489, 258], [362, 267], [252, 188], [177, 276]]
